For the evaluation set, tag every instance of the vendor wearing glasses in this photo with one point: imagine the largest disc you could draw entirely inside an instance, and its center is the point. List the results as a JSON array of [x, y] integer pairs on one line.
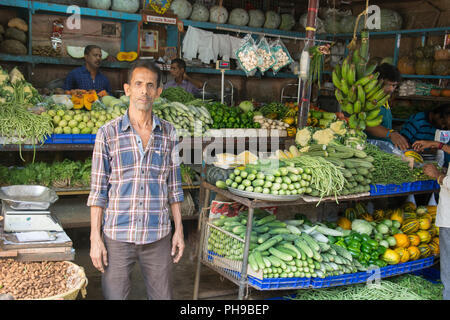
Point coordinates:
[[391, 77]]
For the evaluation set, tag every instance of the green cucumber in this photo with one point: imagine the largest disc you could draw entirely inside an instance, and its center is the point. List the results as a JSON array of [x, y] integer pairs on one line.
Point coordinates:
[[275, 261], [267, 262], [342, 252], [282, 248], [265, 220], [293, 229], [293, 248], [279, 231], [239, 229], [301, 244], [264, 237], [310, 241], [282, 255], [276, 224], [259, 259], [269, 243], [252, 262]]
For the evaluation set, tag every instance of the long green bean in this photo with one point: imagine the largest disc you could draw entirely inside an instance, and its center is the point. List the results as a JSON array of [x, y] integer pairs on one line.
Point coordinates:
[[389, 168], [404, 287]]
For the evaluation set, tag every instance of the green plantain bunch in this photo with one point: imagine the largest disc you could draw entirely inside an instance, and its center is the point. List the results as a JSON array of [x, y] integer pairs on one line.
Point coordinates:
[[359, 91]]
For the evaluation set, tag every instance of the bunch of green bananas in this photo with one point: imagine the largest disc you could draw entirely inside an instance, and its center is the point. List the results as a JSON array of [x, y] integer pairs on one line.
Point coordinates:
[[361, 97]]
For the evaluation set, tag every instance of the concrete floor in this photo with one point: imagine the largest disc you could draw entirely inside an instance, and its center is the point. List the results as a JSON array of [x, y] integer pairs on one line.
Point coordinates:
[[212, 285]]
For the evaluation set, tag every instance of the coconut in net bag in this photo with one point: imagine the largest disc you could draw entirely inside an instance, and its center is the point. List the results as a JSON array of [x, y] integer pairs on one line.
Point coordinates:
[[266, 58], [281, 54], [247, 57]]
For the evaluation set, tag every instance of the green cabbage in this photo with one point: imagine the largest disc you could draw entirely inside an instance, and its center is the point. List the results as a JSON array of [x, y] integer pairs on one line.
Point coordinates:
[[246, 106], [238, 17], [273, 20], [182, 8], [199, 13], [287, 22], [362, 226], [256, 18]]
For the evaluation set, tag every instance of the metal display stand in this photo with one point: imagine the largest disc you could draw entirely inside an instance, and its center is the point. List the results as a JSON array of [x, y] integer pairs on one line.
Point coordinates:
[[237, 272]]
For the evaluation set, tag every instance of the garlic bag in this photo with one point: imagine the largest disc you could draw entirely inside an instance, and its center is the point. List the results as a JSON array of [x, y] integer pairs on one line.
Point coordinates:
[[267, 59], [247, 56], [281, 53]]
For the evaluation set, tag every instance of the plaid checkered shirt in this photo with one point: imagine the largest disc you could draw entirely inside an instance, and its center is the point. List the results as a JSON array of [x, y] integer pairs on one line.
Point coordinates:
[[135, 185]]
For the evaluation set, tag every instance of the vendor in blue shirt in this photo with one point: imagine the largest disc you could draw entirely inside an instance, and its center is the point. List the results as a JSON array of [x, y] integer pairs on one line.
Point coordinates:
[[423, 125], [391, 77], [181, 78], [88, 77]]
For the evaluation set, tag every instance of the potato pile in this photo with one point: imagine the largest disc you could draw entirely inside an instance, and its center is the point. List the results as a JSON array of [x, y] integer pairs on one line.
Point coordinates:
[[35, 280]]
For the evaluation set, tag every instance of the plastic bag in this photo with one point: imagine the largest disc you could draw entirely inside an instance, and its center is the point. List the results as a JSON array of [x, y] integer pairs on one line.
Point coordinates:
[[281, 54], [267, 59], [247, 57]]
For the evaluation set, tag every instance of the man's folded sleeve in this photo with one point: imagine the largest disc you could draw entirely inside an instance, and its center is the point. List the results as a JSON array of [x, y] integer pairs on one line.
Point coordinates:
[[175, 190], [101, 170]]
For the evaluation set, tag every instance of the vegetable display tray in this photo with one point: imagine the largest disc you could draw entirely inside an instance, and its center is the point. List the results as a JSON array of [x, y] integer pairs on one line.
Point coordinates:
[[264, 196], [70, 139], [26, 197]]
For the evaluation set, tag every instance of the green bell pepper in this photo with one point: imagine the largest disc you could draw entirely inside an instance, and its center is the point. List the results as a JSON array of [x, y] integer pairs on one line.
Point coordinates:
[[366, 248]]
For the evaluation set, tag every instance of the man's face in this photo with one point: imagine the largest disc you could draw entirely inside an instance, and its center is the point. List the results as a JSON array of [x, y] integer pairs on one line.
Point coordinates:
[[176, 71], [389, 86], [446, 123], [142, 89], [94, 58]]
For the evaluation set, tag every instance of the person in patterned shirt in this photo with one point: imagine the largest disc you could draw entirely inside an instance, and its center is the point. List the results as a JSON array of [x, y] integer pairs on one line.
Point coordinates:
[[88, 77], [135, 178]]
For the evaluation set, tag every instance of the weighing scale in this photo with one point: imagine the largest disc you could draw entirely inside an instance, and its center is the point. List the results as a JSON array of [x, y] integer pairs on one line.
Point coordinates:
[[222, 66], [28, 220], [25, 208]]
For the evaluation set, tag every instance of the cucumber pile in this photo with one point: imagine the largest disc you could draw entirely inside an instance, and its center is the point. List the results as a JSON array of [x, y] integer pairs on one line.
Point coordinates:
[[275, 181], [191, 119], [282, 249], [359, 93]]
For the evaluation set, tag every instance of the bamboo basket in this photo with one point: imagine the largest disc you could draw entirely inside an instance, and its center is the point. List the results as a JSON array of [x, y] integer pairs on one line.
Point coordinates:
[[79, 283]]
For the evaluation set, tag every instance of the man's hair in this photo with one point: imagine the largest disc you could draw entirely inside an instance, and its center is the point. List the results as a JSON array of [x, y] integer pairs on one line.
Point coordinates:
[[389, 72], [147, 65], [89, 48], [180, 63], [443, 110]]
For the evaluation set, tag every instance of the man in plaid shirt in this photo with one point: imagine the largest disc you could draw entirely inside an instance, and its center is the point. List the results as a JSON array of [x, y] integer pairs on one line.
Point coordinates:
[[135, 177]]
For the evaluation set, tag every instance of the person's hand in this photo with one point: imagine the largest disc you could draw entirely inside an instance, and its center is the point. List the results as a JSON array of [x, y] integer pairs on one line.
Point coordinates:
[[431, 171], [420, 145], [399, 141], [177, 243], [99, 254]]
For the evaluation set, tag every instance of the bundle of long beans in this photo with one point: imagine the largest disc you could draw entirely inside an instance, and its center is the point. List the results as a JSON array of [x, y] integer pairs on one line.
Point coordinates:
[[17, 122], [327, 178]]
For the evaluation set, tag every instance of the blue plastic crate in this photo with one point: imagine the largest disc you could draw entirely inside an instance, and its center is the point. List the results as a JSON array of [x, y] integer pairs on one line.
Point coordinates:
[[384, 189], [71, 139], [431, 274], [406, 267], [333, 281], [279, 283]]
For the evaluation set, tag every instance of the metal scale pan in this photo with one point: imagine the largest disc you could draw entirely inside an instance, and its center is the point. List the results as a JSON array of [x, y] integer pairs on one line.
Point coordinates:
[[26, 197]]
